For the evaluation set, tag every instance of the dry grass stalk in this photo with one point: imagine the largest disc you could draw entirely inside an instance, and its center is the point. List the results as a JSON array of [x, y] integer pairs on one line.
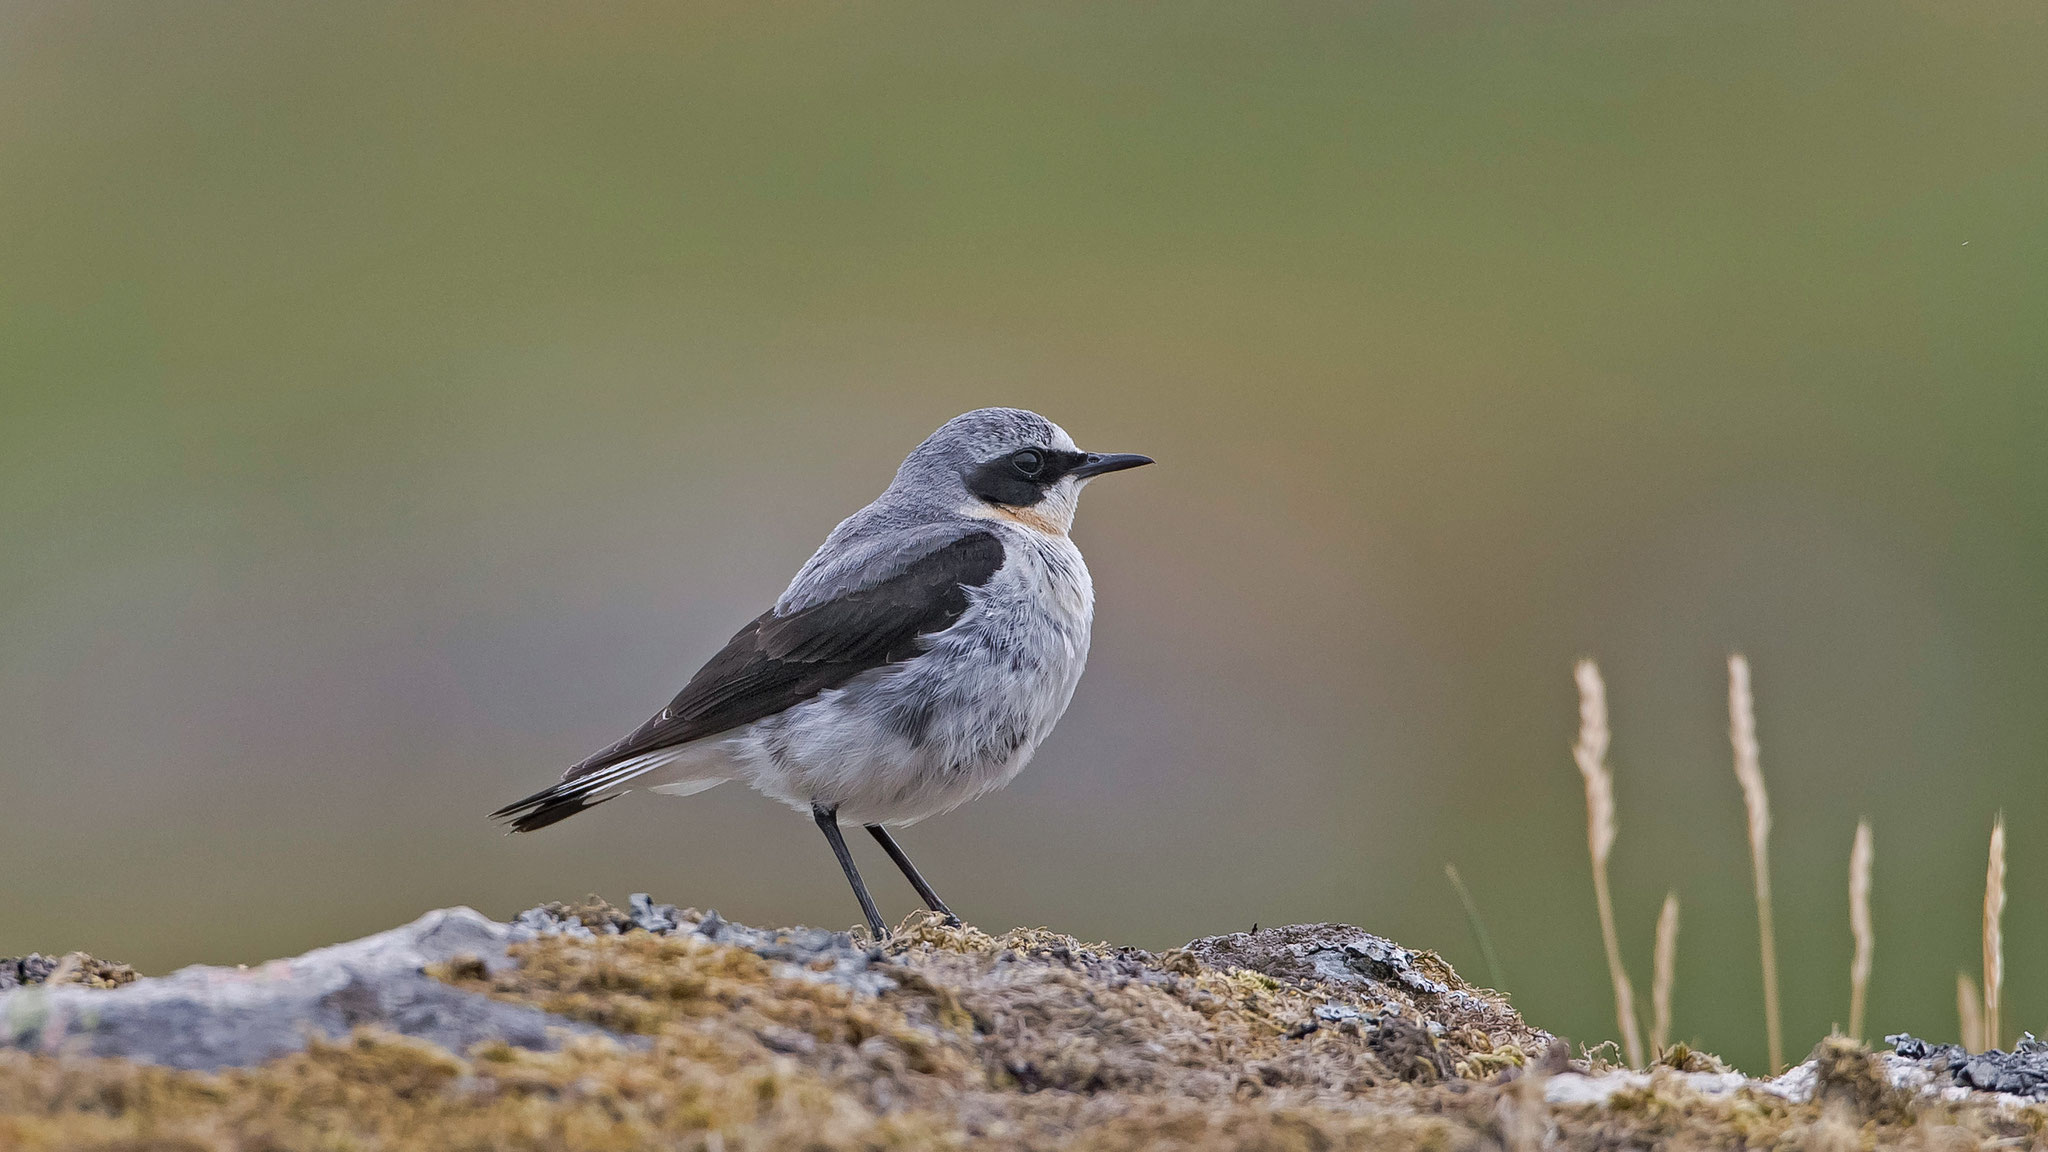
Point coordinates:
[[1480, 935], [1663, 974], [1994, 941], [1969, 1014], [1860, 855], [1591, 754], [1742, 732]]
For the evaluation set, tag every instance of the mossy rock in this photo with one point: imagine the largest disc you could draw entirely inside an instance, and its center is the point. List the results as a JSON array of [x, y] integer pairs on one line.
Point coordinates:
[[706, 1034]]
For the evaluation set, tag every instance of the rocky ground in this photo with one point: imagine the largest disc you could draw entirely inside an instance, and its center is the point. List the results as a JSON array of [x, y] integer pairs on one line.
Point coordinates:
[[593, 1027]]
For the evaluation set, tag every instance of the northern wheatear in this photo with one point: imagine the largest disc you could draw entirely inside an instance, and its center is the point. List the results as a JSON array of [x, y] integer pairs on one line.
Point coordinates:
[[915, 663]]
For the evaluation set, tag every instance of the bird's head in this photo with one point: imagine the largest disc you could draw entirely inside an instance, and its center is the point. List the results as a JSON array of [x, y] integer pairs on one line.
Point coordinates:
[[1010, 464]]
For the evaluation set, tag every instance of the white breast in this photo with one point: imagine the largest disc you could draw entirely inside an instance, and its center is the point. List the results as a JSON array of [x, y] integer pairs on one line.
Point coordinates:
[[897, 745]]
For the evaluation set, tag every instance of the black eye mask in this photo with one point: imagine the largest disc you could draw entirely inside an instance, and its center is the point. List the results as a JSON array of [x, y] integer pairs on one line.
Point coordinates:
[[1019, 479]]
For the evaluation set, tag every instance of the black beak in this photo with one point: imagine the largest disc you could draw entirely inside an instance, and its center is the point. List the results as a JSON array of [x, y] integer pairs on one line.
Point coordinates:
[[1096, 463]]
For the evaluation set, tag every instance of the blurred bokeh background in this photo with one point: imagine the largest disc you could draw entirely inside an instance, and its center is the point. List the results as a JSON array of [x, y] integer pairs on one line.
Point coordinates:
[[398, 401]]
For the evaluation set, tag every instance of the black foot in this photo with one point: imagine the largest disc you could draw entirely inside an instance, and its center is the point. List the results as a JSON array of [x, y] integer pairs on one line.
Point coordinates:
[[828, 823], [910, 873]]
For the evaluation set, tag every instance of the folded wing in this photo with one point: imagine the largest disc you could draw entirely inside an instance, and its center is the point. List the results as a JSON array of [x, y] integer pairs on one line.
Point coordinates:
[[776, 662]]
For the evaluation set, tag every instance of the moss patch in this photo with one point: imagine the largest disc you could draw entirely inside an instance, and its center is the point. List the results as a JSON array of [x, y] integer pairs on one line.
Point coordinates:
[[1030, 1039]]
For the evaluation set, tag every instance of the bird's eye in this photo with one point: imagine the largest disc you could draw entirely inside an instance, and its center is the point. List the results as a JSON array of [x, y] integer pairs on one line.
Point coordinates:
[[1028, 462]]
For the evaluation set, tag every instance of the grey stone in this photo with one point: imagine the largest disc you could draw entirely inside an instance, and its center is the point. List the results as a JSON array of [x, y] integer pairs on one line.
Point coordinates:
[[1334, 1013], [209, 1018], [659, 919], [2021, 1072], [34, 968]]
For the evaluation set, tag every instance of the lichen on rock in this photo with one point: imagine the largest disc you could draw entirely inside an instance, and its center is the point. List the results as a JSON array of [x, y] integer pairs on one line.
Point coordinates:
[[586, 1026], [70, 968]]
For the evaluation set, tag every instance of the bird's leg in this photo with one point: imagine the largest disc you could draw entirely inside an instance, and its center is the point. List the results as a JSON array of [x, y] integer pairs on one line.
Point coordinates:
[[828, 822], [910, 873]]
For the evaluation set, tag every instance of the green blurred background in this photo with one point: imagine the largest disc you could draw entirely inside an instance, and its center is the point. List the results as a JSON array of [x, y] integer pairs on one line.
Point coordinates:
[[398, 401]]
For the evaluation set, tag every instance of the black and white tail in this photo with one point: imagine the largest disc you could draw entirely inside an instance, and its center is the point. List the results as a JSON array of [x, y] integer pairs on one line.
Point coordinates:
[[582, 788]]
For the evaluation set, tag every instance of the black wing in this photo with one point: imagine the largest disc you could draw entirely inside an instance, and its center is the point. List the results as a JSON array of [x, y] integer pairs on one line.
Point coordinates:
[[776, 662]]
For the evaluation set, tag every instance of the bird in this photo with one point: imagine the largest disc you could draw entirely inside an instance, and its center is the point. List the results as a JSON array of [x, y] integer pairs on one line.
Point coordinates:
[[914, 663]]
